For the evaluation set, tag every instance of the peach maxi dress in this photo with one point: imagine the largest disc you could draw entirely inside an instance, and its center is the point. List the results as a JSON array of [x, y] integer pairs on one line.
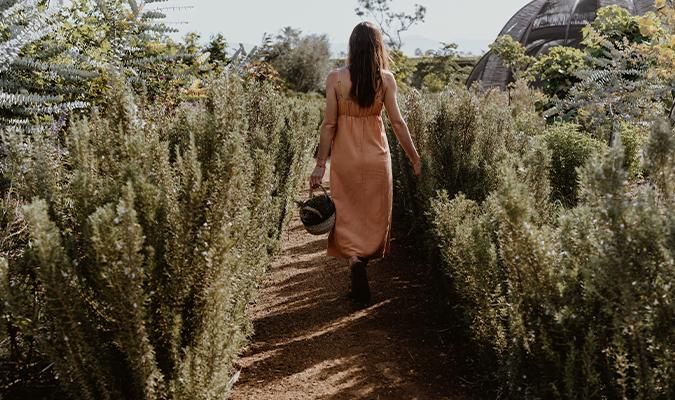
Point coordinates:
[[360, 180]]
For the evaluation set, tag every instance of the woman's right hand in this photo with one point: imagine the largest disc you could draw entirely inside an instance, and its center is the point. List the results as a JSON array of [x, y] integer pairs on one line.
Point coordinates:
[[317, 176]]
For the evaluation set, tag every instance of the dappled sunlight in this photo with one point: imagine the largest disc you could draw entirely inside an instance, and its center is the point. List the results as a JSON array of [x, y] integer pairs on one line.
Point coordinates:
[[309, 342]]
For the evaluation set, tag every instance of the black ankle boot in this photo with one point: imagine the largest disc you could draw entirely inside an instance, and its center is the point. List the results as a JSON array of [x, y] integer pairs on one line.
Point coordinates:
[[360, 289]]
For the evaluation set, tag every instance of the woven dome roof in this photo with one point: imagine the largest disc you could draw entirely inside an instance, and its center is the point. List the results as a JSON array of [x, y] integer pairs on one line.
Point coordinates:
[[543, 24]]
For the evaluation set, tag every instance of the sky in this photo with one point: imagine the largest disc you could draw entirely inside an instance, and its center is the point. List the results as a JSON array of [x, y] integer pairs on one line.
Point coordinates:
[[473, 24]]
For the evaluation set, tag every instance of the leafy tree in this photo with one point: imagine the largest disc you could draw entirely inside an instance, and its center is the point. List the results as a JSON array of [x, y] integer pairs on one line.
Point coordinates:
[[616, 24], [38, 78], [623, 80], [283, 43], [403, 68], [191, 44], [302, 61], [614, 91], [663, 49], [512, 53], [435, 69], [123, 33], [392, 24], [130, 36], [217, 49]]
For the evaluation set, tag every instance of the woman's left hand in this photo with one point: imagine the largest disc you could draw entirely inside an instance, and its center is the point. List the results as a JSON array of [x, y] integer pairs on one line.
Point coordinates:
[[417, 167], [317, 177]]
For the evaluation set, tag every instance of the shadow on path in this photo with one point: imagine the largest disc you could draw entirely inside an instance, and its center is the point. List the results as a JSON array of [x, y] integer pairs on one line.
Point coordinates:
[[310, 344]]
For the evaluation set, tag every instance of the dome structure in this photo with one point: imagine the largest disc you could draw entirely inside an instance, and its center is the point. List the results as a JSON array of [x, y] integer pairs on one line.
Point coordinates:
[[543, 24]]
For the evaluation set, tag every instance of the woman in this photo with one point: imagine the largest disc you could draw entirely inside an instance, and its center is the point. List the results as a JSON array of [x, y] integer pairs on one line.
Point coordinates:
[[353, 134]]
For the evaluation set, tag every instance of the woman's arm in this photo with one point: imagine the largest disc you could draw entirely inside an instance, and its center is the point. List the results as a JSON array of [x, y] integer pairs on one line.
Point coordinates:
[[327, 131], [397, 123]]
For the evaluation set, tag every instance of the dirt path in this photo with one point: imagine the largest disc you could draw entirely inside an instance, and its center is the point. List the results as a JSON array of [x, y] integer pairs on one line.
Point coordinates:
[[310, 344]]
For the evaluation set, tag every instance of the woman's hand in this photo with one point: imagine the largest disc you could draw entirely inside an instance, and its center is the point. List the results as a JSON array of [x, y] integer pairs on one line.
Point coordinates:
[[317, 176], [417, 166]]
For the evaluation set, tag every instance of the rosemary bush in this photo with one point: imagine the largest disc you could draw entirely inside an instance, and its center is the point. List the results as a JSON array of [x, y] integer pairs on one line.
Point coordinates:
[[570, 303], [139, 239], [462, 138], [580, 307], [570, 149]]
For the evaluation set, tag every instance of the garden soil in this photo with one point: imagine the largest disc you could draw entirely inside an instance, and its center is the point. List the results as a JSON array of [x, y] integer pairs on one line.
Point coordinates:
[[310, 343]]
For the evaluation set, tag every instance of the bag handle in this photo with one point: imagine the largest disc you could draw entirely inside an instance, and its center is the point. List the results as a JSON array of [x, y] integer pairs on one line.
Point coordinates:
[[311, 192]]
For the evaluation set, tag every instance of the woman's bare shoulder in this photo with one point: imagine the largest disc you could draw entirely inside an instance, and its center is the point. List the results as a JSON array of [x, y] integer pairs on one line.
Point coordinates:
[[388, 76], [335, 75], [388, 79]]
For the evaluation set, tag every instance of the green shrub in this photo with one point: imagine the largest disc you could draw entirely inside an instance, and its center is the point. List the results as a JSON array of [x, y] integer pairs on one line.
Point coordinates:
[[570, 150], [410, 194], [580, 306], [499, 255], [462, 137], [659, 162], [633, 139], [467, 137], [145, 239], [474, 274], [557, 70], [525, 104], [554, 302]]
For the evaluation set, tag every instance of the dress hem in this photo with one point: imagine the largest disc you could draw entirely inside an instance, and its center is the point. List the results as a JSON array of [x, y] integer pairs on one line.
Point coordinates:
[[376, 256]]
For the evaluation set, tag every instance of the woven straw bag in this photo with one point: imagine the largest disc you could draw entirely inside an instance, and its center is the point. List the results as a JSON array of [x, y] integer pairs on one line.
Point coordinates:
[[317, 213]]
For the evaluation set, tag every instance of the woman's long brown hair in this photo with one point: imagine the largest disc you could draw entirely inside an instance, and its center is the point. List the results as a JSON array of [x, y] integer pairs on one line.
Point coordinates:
[[367, 59]]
